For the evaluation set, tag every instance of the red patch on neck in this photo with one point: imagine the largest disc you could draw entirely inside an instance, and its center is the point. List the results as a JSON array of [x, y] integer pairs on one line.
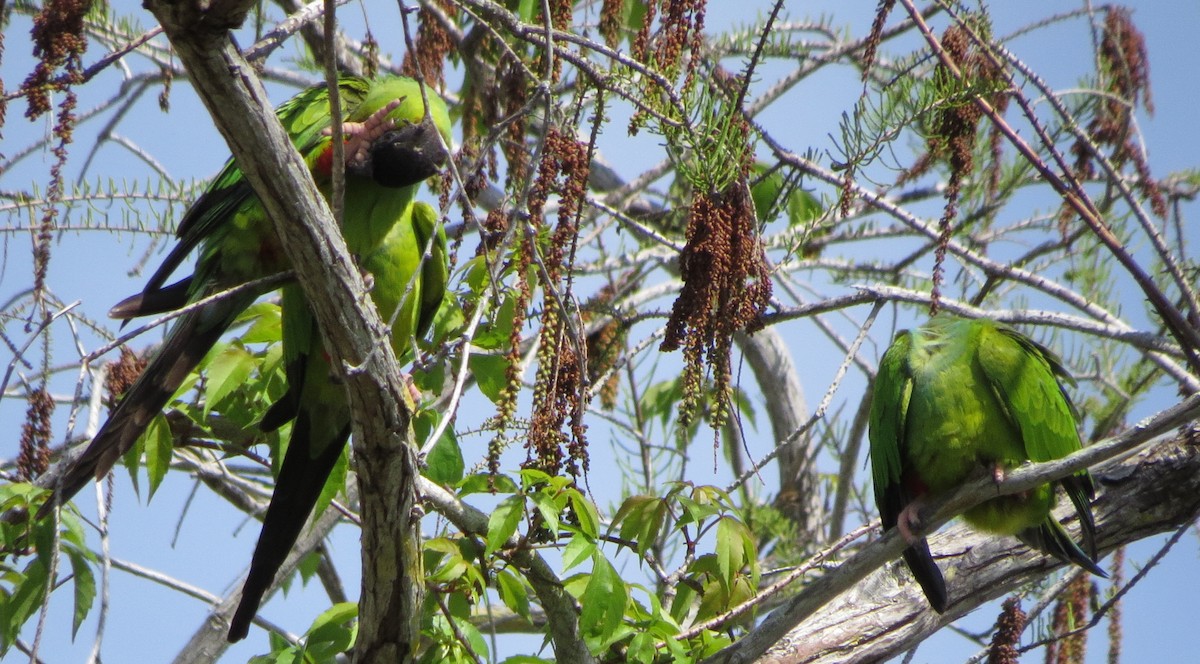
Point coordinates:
[[324, 164]]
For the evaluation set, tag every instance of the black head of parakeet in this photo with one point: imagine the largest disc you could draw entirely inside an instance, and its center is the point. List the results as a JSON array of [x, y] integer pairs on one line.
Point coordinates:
[[406, 155]]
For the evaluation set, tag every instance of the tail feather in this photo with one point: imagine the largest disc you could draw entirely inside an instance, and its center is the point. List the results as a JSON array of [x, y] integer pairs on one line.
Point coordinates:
[[920, 562], [156, 301], [192, 336], [1080, 489], [1052, 539], [301, 479]]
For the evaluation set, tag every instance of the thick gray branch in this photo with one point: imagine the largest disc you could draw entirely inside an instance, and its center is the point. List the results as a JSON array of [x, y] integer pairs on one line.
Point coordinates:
[[1132, 505], [354, 335], [775, 372], [886, 614]]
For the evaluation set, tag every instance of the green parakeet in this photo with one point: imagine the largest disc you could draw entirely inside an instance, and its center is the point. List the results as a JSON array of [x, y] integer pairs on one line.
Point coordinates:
[[407, 291], [389, 151], [954, 398]]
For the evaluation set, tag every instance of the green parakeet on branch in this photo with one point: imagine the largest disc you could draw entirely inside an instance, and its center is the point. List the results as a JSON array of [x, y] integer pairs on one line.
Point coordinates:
[[407, 291], [954, 398], [390, 149]]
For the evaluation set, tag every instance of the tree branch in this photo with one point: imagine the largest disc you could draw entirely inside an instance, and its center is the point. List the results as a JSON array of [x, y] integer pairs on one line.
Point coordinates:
[[353, 333], [560, 606], [1116, 524]]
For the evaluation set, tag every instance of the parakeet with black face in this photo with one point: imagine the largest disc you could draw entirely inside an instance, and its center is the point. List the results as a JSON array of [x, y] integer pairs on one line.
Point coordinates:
[[390, 149], [957, 397], [409, 274]]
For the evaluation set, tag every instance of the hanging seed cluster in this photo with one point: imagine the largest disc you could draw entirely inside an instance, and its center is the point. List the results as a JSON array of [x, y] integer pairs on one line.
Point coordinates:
[[605, 345], [1006, 643], [955, 125], [1070, 612], [682, 28], [34, 456], [557, 439], [1126, 68], [611, 13], [59, 42], [433, 45], [726, 288], [493, 100], [121, 375], [560, 19]]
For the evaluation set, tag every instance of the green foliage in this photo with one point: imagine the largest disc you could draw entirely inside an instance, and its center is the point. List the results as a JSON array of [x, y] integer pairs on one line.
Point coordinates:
[[716, 581], [235, 383], [331, 634], [444, 464], [23, 588], [670, 555]]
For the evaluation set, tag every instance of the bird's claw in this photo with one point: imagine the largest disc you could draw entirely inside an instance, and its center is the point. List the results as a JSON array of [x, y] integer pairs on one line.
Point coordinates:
[[908, 522], [999, 473], [359, 136]]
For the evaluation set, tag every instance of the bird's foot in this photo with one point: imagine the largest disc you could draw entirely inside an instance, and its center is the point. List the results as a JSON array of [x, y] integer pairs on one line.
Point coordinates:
[[413, 390], [999, 472], [359, 136], [908, 522]]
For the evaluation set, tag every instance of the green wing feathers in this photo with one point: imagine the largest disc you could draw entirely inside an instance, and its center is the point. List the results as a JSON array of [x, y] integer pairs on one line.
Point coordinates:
[[889, 406], [957, 397], [888, 432], [1026, 379]]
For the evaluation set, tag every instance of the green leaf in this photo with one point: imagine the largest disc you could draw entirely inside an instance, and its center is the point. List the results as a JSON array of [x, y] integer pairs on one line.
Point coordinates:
[[578, 549], [548, 508], [585, 514], [642, 648], [497, 334], [486, 483], [661, 400], [731, 549], [533, 477], [309, 565], [491, 374], [335, 483], [444, 464], [502, 524], [160, 445], [603, 601], [85, 587], [329, 634], [226, 373], [19, 605], [266, 323], [803, 208], [513, 593], [641, 519], [526, 9]]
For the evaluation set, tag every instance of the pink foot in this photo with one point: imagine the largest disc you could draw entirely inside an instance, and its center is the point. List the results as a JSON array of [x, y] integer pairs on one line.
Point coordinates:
[[909, 521], [998, 472], [413, 391], [360, 135]]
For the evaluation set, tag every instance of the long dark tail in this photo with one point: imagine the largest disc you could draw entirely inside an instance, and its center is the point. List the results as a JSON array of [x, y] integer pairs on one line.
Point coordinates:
[[1051, 538], [920, 562], [301, 479], [190, 339], [157, 301]]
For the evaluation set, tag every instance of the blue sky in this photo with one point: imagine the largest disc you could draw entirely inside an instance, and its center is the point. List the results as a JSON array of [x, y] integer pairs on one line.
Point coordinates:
[[150, 623]]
